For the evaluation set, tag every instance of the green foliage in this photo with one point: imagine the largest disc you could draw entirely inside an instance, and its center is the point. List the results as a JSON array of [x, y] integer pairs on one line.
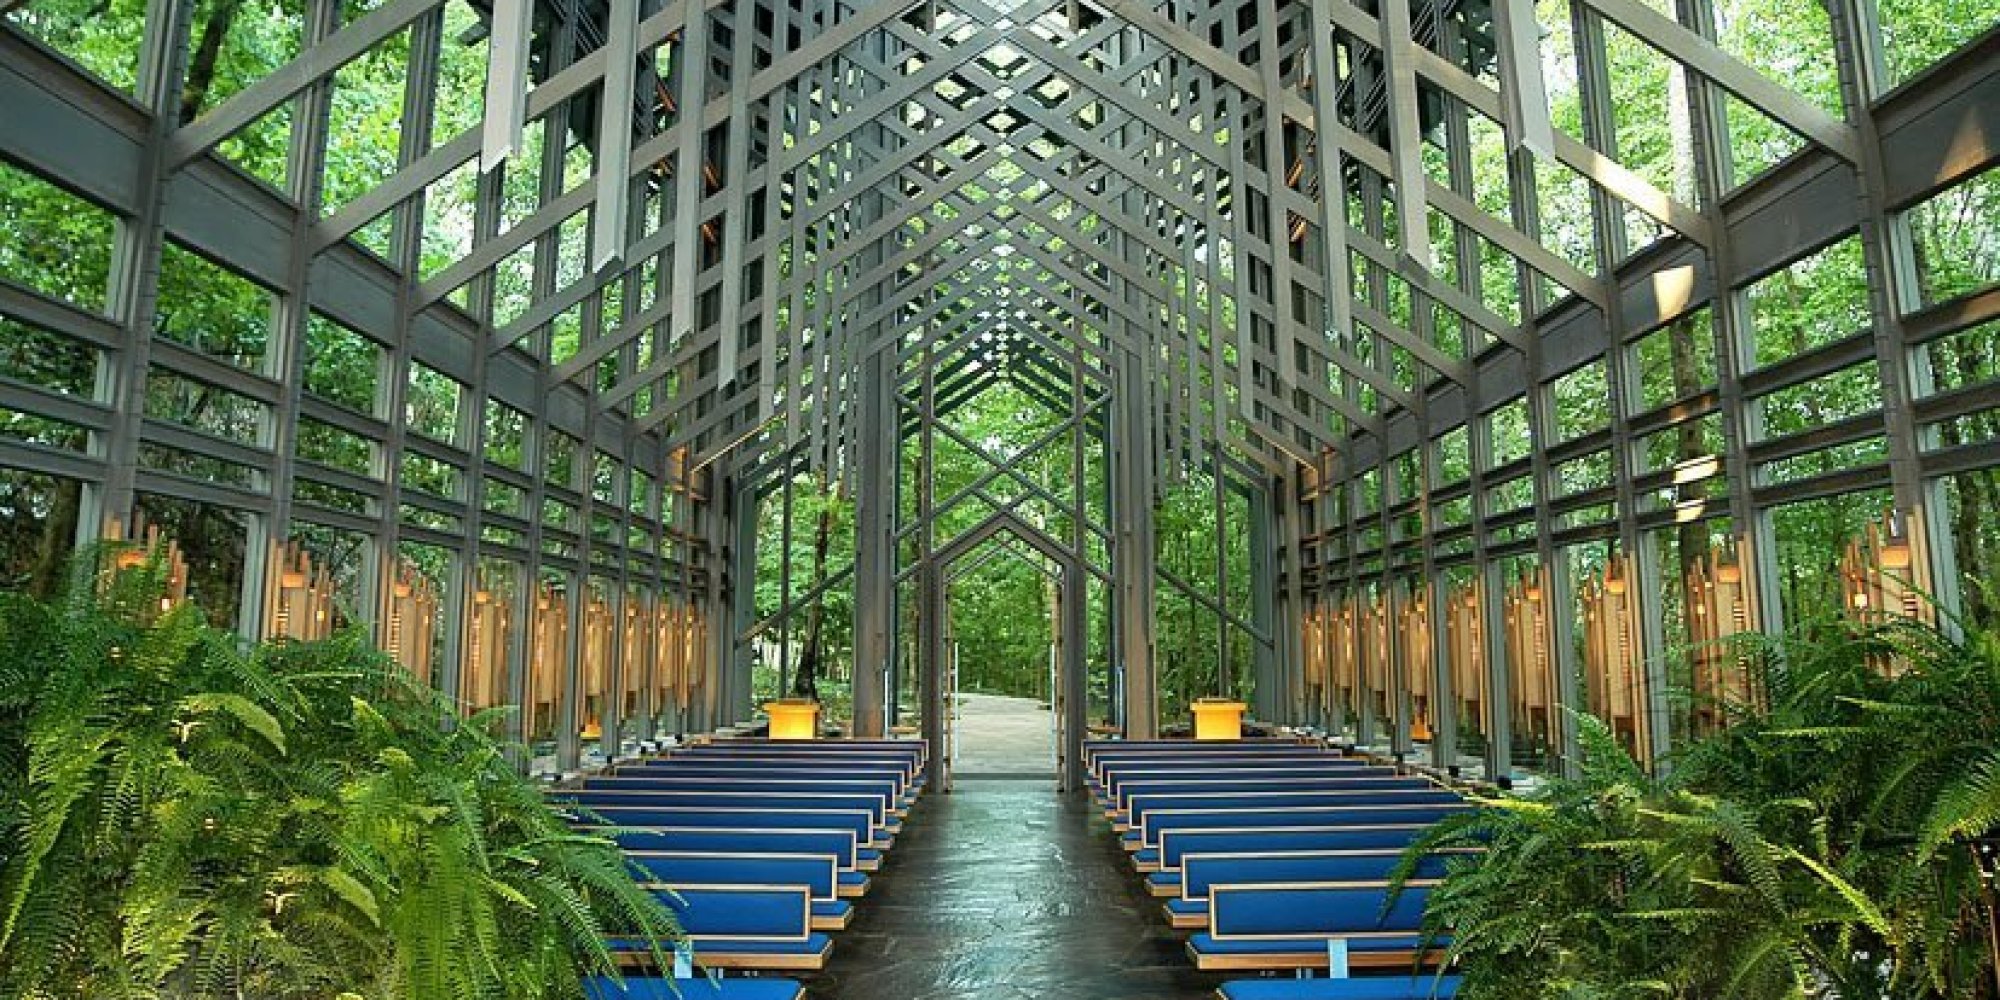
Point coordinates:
[[837, 609], [1194, 536], [182, 817], [1001, 622], [1819, 847]]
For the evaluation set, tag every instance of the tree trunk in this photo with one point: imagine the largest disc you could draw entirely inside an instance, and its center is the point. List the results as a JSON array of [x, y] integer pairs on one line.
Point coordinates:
[[1688, 445], [1978, 492], [805, 682], [207, 52], [58, 532]]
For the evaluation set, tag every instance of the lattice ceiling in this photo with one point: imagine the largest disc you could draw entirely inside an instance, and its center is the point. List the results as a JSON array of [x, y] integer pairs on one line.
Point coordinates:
[[1015, 190]]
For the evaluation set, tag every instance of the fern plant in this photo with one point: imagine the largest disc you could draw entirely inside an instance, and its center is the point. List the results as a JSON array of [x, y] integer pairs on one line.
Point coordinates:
[[192, 819], [1818, 847]]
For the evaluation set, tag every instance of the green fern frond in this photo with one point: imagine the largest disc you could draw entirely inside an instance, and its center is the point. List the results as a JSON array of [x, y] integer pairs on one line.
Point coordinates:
[[1966, 807]]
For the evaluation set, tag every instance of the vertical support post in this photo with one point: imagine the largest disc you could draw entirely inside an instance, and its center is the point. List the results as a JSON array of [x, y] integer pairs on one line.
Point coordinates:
[[1499, 709], [692, 60], [930, 585], [736, 694], [135, 272], [286, 357], [1889, 260], [1075, 586], [1444, 697], [1268, 699], [874, 547], [1132, 505]]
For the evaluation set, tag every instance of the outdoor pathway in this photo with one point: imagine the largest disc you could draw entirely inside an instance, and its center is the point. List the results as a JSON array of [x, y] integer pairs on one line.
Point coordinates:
[[1001, 735]]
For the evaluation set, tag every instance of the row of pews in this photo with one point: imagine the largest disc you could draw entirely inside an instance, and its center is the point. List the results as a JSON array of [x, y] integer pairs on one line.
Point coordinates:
[[1275, 856], [760, 848]]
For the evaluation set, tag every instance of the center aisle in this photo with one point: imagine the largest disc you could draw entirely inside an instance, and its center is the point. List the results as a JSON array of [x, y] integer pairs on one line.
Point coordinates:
[[1004, 890]]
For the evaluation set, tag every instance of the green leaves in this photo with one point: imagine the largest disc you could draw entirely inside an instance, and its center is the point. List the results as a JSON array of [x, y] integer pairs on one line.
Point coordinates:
[[1816, 848], [300, 822], [1967, 807], [252, 716]]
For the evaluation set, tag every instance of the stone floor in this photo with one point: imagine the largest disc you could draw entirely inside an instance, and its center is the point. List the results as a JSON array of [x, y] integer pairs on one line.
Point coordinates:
[[1008, 890]]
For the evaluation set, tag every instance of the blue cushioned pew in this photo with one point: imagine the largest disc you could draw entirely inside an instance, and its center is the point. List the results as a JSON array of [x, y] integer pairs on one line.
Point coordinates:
[[885, 785], [910, 766], [1179, 771], [639, 820], [1289, 927], [1109, 762], [819, 873], [763, 927], [910, 761], [909, 755], [1280, 851], [1201, 872], [1095, 754], [877, 806], [1118, 777], [1095, 749], [904, 793], [692, 988], [882, 786], [1235, 767], [1147, 804], [1362, 988], [836, 844], [1117, 795], [916, 749], [1148, 832], [657, 809], [757, 847], [648, 791], [1163, 863], [732, 795]]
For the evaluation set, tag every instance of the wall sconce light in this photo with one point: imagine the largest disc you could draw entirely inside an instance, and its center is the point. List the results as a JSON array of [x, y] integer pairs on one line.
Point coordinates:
[[1896, 547]]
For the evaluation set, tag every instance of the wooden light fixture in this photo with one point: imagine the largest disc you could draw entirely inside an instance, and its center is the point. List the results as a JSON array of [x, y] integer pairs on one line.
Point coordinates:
[[1719, 607], [1613, 657], [484, 684], [1879, 568], [410, 620], [141, 545], [548, 662], [637, 652], [1884, 574], [596, 673], [1530, 673], [298, 596], [1466, 642], [1413, 640]]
